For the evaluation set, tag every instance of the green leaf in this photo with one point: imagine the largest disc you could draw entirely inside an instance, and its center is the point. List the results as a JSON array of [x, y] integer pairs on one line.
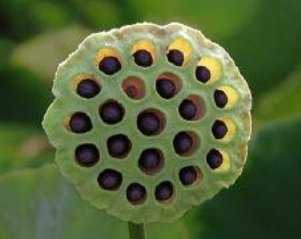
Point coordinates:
[[43, 53], [39, 203], [265, 202], [283, 102], [22, 147]]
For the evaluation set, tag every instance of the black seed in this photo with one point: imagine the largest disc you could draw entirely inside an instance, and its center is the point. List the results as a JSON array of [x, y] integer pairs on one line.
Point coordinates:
[[136, 193], [188, 109], [111, 112], [150, 161], [188, 175], [109, 65], [182, 143], [118, 145], [214, 158], [80, 123], [110, 179], [164, 191], [143, 58], [176, 57], [88, 88], [87, 155], [219, 129], [148, 123], [220, 98], [166, 88], [202, 73]]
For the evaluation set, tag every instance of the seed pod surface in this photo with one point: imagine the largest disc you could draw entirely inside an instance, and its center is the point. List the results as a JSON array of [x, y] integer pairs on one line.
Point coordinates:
[[164, 90]]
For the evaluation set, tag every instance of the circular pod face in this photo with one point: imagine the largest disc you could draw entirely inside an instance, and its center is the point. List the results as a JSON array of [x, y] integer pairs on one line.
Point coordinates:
[[149, 120]]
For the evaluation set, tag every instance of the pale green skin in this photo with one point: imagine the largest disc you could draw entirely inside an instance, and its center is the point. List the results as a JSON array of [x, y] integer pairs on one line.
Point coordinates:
[[67, 102]]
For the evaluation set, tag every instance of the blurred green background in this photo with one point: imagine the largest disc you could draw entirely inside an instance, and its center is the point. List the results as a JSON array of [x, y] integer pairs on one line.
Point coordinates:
[[262, 36]]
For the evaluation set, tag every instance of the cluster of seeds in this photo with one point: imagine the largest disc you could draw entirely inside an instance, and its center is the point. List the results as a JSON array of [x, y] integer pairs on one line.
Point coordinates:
[[149, 118]]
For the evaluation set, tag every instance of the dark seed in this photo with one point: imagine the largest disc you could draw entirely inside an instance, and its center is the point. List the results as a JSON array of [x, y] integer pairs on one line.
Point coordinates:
[[109, 65], [136, 193], [214, 159], [150, 161], [220, 98], [110, 179], [118, 145], [164, 191], [111, 112], [143, 58], [188, 175], [182, 143], [188, 109], [166, 88], [88, 88], [87, 155], [176, 57], [202, 73], [148, 123], [219, 129], [80, 123]]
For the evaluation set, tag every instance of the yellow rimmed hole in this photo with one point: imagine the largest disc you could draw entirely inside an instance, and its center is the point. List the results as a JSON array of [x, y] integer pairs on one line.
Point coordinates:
[[144, 45], [231, 129], [106, 52], [208, 70], [183, 46], [231, 94], [108, 61], [225, 166]]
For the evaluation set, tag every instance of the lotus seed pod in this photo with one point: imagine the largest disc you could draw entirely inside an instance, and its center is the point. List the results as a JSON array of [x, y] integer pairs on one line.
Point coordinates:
[[149, 120]]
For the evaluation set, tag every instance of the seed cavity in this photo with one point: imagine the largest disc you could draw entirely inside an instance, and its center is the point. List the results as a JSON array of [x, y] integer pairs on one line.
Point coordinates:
[[151, 122], [185, 143], [192, 108], [151, 161], [88, 88], [164, 191], [219, 129], [108, 61], [136, 193], [134, 87], [179, 52], [143, 58], [111, 112], [214, 159], [80, 123], [220, 98], [208, 70], [189, 175], [110, 179], [86, 155], [119, 146]]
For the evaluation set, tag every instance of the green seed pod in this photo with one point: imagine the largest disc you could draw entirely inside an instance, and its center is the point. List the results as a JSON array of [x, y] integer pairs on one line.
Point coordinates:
[[149, 120]]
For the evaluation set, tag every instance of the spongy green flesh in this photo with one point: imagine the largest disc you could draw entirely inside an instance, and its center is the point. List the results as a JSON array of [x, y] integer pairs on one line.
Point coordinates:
[[82, 61]]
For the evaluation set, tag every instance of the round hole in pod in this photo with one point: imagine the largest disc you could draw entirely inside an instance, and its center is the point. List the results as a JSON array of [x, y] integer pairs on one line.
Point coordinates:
[[151, 122], [192, 108], [134, 87], [151, 161], [111, 112], [86, 155], [110, 179], [136, 193]]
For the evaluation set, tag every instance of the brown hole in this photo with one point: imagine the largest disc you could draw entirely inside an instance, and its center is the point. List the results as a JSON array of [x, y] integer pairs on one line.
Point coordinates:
[[151, 122], [174, 79], [134, 87], [190, 175], [200, 106], [186, 143]]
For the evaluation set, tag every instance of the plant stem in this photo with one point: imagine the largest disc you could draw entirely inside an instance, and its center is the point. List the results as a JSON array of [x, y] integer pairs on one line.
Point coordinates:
[[137, 231]]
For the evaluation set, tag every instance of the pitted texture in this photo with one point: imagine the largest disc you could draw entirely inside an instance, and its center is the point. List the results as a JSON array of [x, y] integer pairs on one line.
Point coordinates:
[[164, 120]]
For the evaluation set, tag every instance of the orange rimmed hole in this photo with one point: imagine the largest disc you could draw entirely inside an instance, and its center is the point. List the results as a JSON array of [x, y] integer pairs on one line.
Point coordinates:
[[192, 108], [190, 175], [186, 143], [134, 87]]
